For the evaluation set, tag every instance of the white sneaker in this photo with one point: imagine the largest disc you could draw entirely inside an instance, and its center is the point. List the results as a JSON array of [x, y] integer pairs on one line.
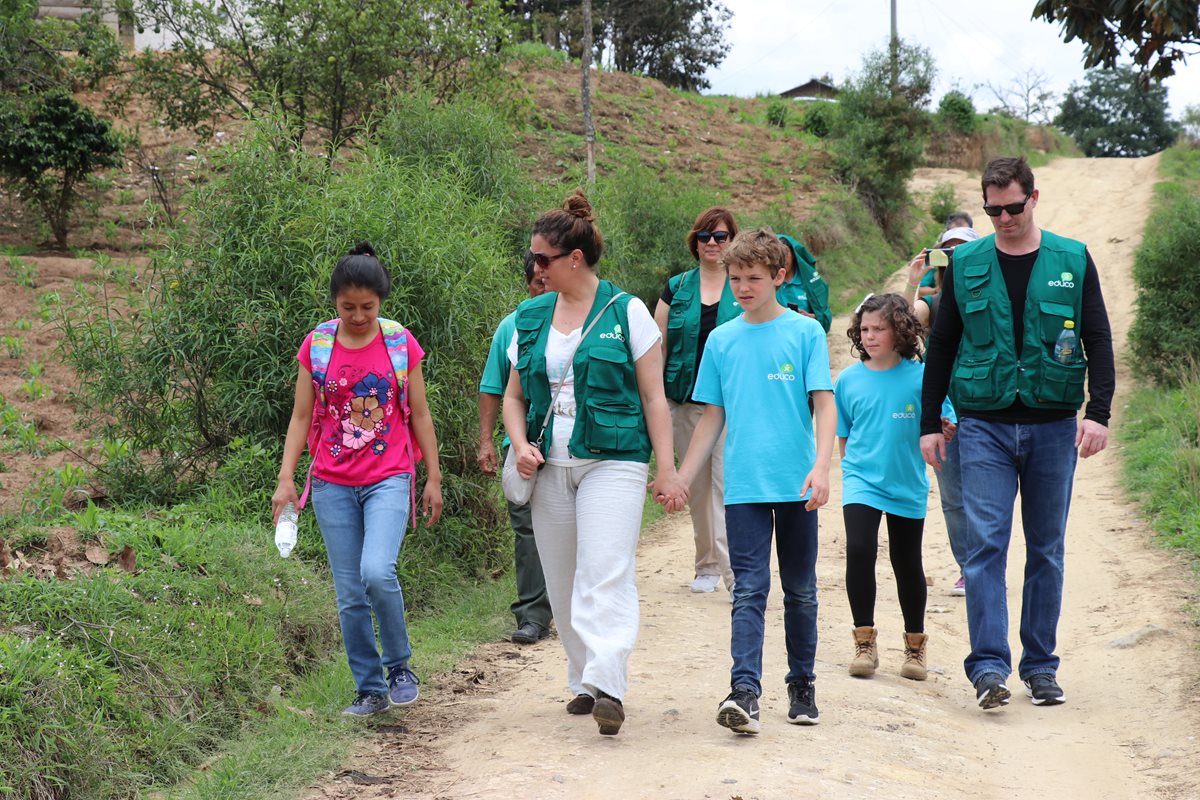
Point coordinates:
[[706, 583], [960, 588]]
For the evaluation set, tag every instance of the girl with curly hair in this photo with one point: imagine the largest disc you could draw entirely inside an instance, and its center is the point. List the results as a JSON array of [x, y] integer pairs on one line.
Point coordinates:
[[360, 405], [879, 413]]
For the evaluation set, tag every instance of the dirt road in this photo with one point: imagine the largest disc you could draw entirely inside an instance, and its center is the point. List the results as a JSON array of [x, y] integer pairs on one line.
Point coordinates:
[[498, 727]]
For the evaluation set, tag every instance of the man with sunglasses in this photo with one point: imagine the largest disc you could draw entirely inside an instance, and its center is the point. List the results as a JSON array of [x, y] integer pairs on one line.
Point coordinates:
[[1006, 299]]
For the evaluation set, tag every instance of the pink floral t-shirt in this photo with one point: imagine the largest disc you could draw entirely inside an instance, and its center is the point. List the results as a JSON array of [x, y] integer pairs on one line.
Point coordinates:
[[362, 439]]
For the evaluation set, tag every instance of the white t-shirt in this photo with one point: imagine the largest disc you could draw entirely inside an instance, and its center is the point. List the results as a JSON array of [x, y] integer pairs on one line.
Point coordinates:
[[643, 334]]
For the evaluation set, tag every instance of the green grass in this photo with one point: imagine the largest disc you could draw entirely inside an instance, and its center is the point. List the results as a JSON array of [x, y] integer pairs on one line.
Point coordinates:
[[303, 735], [1162, 461]]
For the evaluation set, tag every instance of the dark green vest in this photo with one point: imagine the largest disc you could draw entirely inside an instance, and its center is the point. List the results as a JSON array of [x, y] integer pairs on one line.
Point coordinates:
[[989, 373], [683, 331], [807, 290], [609, 422]]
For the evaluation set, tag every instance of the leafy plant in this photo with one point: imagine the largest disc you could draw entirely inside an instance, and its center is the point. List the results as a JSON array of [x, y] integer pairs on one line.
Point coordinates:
[[24, 272], [34, 389], [819, 118], [48, 149], [943, 202], [777, 112], [957, 109], [14, 346]]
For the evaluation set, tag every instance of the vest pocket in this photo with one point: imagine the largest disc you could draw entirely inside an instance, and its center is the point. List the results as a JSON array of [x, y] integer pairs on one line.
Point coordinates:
[[1053, 316], [606, 369], [612, 430], [975, 380], [1060, 384], [977, 324]]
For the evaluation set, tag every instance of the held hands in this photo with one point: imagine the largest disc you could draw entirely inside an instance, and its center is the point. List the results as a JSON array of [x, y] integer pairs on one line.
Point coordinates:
[[948, 429], [670, 490], [1091, 437], [529, 458], [485, 457], [285, 492]]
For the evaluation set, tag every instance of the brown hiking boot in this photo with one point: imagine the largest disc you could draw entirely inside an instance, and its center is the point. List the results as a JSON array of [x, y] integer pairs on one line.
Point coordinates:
[[866, 656], [914, 657], [581, 704]]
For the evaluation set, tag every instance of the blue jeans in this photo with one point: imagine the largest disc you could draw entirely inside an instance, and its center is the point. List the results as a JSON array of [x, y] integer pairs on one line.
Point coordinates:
[[749, 527], [997, 459], [363, 527], [949, 479]]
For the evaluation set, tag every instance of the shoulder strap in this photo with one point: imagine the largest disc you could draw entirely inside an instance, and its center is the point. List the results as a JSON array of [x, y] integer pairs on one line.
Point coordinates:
[[320, 350]]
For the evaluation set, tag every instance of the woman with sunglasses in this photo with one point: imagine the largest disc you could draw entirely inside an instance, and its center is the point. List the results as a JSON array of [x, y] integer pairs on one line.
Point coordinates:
[[588, 352], [690, 307]]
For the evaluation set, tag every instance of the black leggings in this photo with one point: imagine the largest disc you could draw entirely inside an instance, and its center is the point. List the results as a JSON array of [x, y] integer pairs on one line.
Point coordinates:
[[904, 547]]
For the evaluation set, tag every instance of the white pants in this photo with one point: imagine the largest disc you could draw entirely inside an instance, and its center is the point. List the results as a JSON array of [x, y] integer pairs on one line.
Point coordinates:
[[586, 521], [706, 494]]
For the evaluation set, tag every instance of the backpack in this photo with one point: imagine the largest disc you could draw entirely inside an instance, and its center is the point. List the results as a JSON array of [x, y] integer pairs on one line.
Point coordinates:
[[320, 351]]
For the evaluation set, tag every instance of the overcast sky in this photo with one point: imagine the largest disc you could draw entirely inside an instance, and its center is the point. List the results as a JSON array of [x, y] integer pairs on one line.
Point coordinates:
[[778, 45]]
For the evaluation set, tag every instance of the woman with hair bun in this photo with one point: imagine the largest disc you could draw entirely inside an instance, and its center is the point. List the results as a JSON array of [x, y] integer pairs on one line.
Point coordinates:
[[360, 405], [590, 352]]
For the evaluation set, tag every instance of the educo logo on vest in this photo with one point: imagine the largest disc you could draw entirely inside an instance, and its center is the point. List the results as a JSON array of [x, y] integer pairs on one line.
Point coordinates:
[[616, 333], [786, 373], [909, 412], [1066, 281]]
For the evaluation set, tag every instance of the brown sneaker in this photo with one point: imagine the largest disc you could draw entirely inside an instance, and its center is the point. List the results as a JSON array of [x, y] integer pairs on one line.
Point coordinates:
[[866, 656], [581, 704], [609, 714], [914, 657]]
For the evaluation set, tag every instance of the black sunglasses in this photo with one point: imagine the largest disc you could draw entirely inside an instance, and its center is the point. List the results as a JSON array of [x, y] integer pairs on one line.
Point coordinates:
[[1012, 208], [543, 260], [720, 236]]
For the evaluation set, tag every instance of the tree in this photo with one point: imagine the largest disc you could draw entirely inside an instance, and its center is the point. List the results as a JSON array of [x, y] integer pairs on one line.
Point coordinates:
[[323, 64], [1113, 114], [31, 51], [1162, 32], [881, 128], [675, 41], [48, 148], [1026, 96]]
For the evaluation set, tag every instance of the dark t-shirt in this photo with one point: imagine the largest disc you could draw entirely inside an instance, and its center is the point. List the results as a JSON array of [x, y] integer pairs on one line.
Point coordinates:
[[708, 321], [946, 336]]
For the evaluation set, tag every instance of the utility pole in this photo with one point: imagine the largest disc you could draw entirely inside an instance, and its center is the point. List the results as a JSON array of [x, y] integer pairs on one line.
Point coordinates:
[[894, 50], [589, 130]]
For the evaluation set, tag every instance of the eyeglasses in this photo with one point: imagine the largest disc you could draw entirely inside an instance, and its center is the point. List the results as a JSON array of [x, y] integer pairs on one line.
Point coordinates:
[[543, 260], [1012, 208], [720, 236]]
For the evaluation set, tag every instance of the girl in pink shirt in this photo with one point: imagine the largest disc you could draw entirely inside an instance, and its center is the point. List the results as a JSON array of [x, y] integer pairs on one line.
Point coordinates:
[[360, 405]]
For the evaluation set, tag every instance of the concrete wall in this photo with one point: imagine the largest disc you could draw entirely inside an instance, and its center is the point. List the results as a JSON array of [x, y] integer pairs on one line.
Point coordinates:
[[73, 9]]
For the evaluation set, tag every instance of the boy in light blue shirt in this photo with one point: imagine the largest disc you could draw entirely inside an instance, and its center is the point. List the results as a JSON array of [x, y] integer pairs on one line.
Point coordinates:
[[756, 374]]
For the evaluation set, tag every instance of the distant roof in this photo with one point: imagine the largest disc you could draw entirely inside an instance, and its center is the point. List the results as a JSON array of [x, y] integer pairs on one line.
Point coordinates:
[[814, 88]]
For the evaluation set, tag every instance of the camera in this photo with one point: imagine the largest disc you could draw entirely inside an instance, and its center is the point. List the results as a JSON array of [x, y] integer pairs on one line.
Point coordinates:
[[938, 256]]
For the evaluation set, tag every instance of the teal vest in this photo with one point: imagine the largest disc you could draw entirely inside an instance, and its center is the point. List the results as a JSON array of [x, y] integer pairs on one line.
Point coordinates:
[[609, 422], [683, 331], [807, 290], [989, 372]]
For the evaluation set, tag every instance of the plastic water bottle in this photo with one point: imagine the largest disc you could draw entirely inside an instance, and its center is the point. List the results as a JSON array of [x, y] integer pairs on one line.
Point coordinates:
[[285, 530], [1066, 349]]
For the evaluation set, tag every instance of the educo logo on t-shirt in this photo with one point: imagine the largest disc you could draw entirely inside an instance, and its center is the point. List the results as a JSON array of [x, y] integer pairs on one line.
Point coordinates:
[[786, 373], [909, 412]]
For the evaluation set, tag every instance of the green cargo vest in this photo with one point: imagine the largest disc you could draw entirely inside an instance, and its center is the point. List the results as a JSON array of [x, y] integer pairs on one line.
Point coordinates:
[[988, 372], [683, 331], [807, 290], [609, 422]]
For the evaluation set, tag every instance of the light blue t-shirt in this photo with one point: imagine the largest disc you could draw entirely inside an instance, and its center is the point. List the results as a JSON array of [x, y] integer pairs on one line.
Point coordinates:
[[497, 368], [761, 375], [879, 413]]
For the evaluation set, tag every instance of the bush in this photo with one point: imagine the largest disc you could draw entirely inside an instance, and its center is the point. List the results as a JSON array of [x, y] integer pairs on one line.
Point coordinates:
[[49, 148], [819, 118], [777, 112], [957, 110], [207, 356], [943, 202], [1166, 269]]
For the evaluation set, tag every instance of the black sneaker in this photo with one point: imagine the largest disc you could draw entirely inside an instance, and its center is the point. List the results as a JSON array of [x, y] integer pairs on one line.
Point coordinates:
[[802, 697], [739, 711], [529, 633], [990, 690], [1043, 690], [367, 704]]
